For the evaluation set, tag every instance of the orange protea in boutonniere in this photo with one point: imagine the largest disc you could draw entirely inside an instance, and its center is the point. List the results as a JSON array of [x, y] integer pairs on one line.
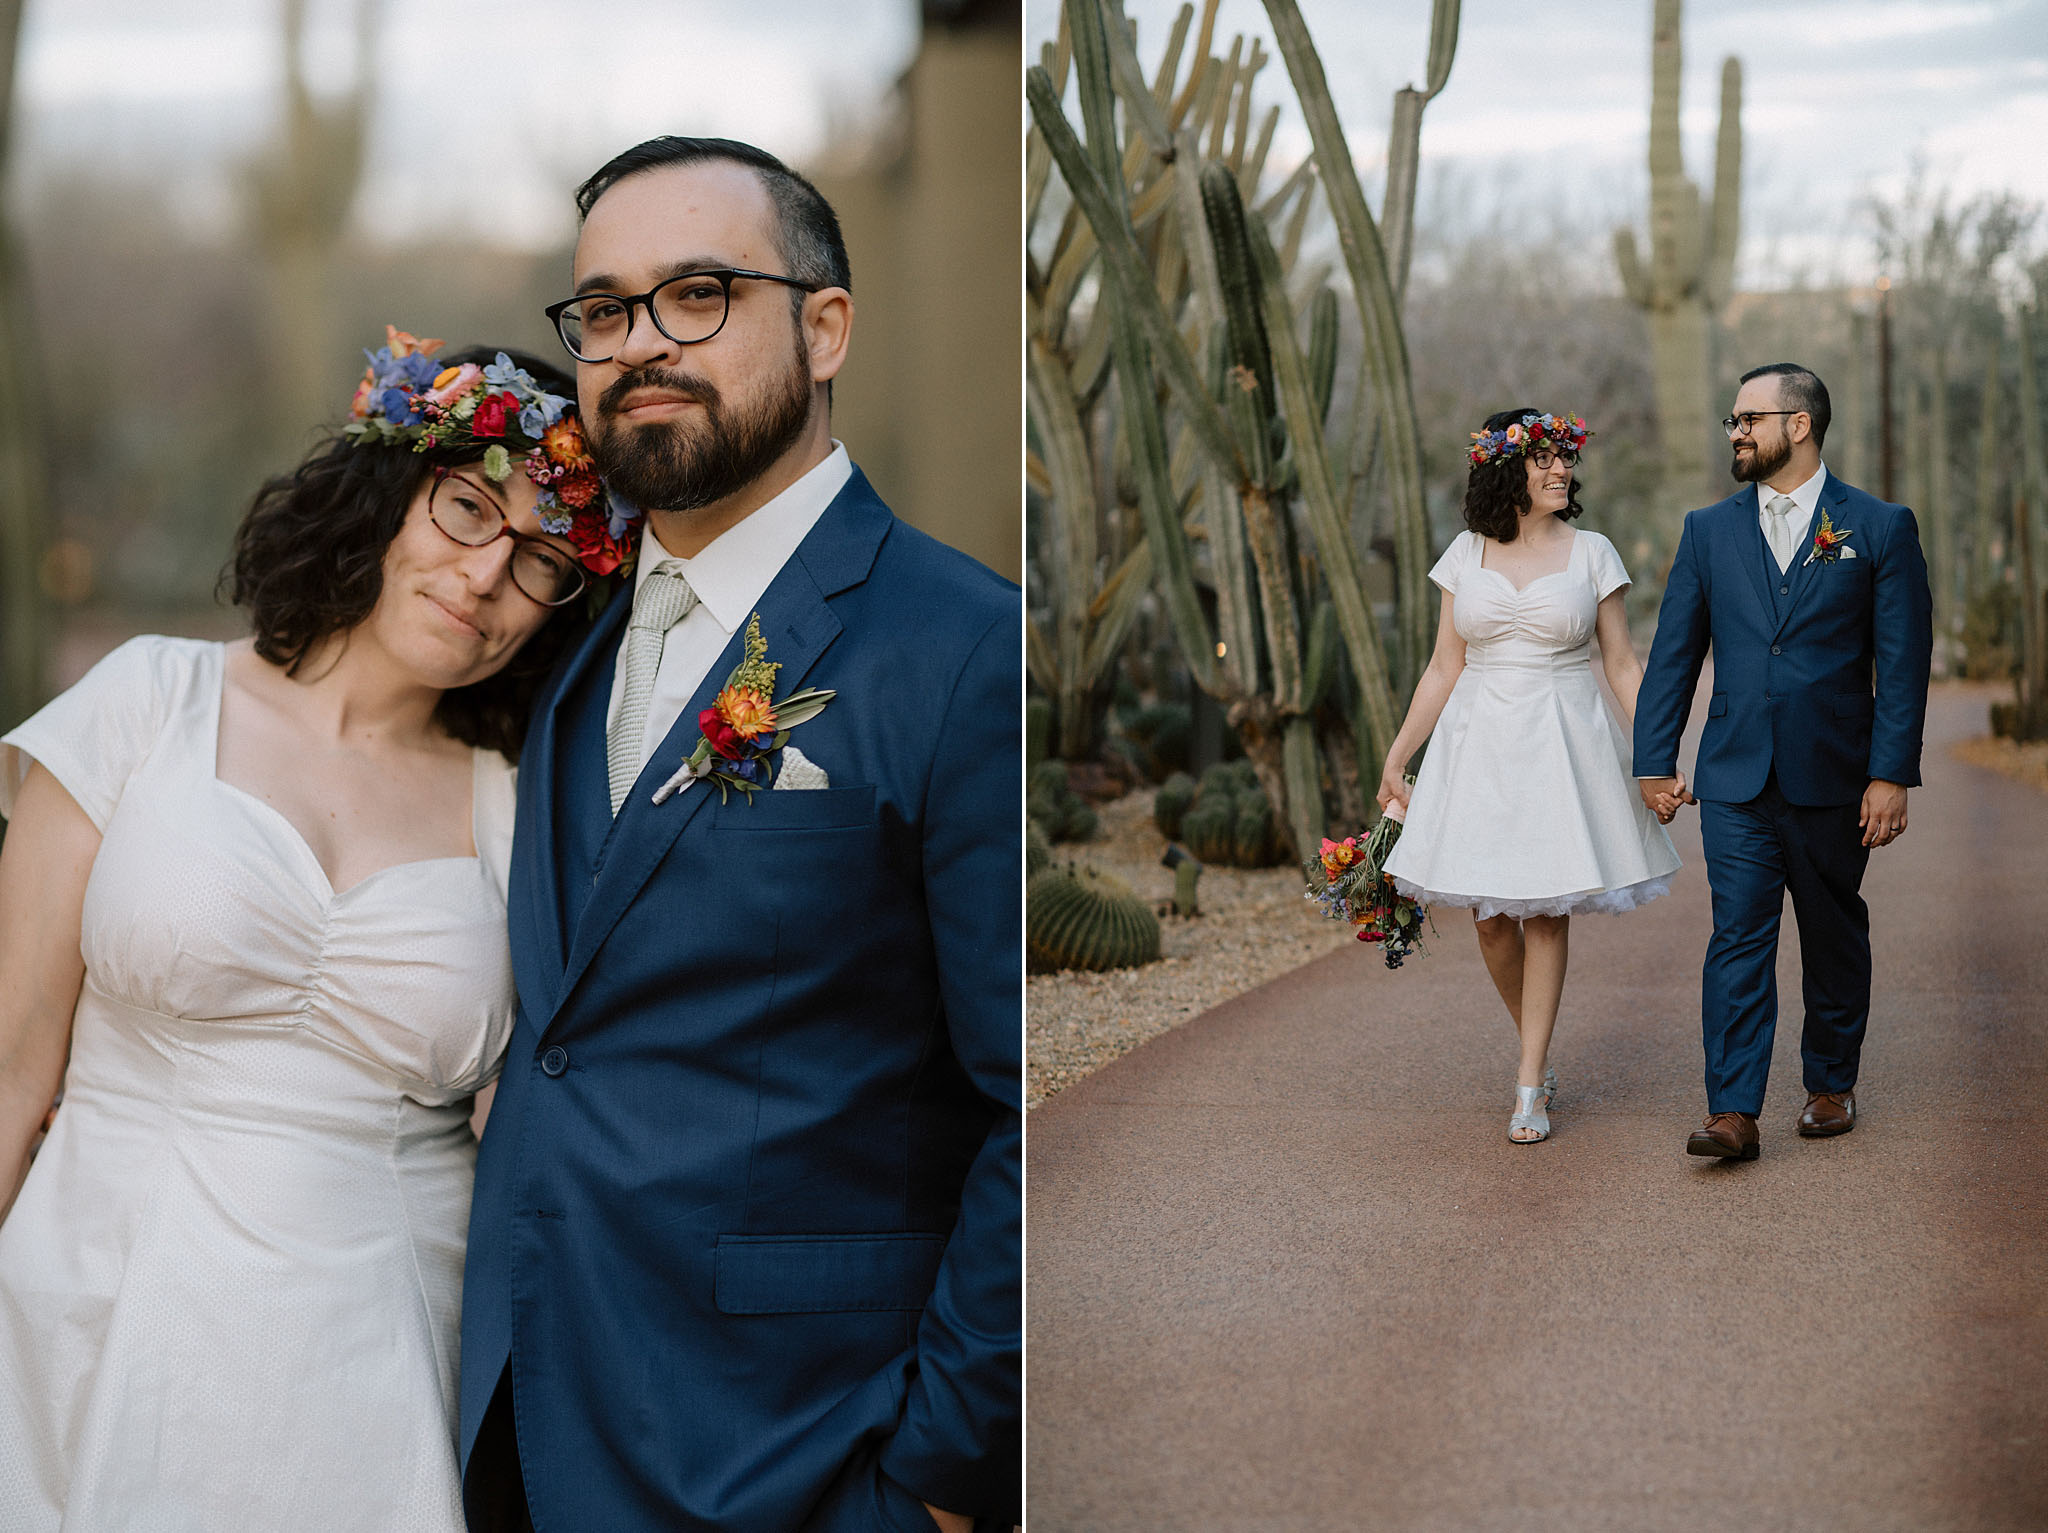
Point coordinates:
[[1828, 541], [745, 724]]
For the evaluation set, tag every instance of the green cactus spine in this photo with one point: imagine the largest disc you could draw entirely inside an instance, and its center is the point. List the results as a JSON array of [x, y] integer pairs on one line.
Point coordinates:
[[1077, 918]]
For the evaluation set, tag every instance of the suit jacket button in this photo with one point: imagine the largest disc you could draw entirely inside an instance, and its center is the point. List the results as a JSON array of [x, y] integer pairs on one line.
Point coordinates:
[[1784, 590], [1776, 651], [555, 1060]]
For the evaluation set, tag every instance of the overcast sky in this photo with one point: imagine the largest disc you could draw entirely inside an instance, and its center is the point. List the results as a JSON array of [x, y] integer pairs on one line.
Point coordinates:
[[488, 112], [1548, 105]]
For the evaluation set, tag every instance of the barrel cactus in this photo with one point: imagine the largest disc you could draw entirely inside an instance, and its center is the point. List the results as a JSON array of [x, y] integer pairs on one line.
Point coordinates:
[[1078, 918], [1230, 821], [1170, 804], [1037, 850], [1061, 812], [1159, 735]]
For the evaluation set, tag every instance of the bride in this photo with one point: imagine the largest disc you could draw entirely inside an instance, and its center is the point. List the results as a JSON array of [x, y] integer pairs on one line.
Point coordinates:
[[1523, 810], [256, 893]]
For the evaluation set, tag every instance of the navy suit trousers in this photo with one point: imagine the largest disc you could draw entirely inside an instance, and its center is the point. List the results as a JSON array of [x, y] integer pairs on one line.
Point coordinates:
[[1755, 852]]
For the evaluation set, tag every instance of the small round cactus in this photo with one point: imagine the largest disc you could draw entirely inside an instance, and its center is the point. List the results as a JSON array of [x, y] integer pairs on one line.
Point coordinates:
[[1077, 918], [1170, 804]]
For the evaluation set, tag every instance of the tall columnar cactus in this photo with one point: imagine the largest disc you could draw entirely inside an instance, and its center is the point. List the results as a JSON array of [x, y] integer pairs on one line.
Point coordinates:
[[1691, 269], [2029, 487], [1217, 434]]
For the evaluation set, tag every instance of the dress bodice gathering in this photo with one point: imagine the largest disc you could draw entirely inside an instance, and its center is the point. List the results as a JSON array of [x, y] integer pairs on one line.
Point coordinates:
[[232, 1278]]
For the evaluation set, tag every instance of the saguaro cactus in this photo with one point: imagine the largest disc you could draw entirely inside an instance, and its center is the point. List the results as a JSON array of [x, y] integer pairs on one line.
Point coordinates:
[[1691, 269]]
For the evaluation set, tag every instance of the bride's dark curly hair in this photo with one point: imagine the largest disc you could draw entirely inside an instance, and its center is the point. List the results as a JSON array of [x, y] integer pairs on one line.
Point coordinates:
[[308, 561], [1497, 491]]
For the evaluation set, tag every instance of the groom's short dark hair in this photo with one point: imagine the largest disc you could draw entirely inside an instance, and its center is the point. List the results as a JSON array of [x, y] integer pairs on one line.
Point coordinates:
[[807, 230], [1801, 389]]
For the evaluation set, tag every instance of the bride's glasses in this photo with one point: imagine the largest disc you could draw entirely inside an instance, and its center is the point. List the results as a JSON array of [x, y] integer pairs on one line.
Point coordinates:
[[1548, 458], [465, 514]]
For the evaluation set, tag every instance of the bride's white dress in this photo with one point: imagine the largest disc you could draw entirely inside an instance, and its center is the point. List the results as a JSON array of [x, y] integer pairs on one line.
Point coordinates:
[[1525, 803], [230, 1288]]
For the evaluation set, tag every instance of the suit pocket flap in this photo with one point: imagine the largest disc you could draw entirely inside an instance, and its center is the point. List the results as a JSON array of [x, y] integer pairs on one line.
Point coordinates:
[[805, 809], [1717, 705], [808, 1274]]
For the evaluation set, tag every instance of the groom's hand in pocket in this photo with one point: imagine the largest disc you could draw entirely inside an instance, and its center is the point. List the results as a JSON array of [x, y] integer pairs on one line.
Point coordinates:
[[1884, 813], [950, 1522]]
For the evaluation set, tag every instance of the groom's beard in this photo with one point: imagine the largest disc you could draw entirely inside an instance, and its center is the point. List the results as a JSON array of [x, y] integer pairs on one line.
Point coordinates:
[[1761, 462], [683, 465]]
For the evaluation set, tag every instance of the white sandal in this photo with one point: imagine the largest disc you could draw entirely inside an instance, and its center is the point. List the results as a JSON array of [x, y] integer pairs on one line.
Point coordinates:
[[1532, 1111]]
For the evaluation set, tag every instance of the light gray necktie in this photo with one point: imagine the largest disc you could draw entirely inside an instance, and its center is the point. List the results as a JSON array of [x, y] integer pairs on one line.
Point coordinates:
[[661, 602], [1784, 544]]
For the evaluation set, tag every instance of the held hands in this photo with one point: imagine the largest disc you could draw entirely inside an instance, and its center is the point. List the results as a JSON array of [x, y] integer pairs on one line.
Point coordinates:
[[1665, 795], [1884, 813]]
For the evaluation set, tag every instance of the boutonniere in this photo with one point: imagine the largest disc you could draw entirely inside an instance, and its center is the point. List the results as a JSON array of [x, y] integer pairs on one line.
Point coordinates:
[[1828, 541], [744, 725]]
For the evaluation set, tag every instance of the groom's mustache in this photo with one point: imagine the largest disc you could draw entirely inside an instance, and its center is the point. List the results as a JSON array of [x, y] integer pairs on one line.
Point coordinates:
[[697, 390]]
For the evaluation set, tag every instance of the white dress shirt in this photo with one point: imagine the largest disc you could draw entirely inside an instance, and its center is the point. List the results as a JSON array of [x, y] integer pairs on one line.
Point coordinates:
[[729, 575], [1805, 497]]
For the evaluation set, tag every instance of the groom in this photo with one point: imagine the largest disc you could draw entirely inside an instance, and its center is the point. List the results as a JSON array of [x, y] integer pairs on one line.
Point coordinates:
[[745, 1246], [1814, 599]]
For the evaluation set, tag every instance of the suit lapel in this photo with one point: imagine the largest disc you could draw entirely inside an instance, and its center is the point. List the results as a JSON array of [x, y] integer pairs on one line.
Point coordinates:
[[535, 850], [1753, 551], [1805, 571], [798, 625]]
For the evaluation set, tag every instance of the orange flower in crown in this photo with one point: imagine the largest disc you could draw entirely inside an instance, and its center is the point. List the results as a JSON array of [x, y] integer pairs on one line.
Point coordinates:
[[503, 412]]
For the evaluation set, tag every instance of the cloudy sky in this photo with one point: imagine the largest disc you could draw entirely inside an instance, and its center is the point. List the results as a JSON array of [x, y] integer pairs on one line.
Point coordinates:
[[1547, 109], [487, 111]]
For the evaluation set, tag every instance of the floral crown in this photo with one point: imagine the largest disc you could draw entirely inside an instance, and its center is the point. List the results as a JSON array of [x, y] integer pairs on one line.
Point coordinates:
[[502, 410], [1564, 432]]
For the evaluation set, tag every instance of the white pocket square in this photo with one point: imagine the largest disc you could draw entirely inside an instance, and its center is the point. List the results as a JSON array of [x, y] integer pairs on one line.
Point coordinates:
[[1848, 552], [799, 771]]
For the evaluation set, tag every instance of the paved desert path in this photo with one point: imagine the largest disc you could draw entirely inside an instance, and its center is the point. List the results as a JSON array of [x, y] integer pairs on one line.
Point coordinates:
[[1287, 1272]]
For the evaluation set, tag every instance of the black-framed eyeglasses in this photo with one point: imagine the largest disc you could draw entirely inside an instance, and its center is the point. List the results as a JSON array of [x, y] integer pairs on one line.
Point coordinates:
[[1550, 457], [687, 309], [465, 514], [1743, 424]]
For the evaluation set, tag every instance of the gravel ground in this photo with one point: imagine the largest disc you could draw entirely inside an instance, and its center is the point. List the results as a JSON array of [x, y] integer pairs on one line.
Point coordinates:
[[1254, 926], [2028, 763]]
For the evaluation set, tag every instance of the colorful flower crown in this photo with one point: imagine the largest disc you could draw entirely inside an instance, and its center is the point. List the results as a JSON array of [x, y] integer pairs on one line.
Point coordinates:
[[1566, 432], [501, 410]]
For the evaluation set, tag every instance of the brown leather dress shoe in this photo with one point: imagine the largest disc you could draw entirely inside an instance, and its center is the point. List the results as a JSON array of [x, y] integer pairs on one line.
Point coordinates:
[[1828, 1113], [1726, 1135]]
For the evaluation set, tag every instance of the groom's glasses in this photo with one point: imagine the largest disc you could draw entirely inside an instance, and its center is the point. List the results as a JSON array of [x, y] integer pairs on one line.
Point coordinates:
[[465, 514], [686, 309], [1743, 424]]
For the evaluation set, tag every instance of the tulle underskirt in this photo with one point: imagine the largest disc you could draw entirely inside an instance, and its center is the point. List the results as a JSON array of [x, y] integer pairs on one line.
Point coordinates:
[[1595, 902]]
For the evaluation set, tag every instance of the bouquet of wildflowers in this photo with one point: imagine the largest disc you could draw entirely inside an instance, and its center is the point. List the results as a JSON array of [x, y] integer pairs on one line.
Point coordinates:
[[1347, 881]]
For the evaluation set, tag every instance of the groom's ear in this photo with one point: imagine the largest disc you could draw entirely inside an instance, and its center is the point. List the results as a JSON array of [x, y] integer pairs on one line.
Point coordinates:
[[828, 328], [1799, 426]]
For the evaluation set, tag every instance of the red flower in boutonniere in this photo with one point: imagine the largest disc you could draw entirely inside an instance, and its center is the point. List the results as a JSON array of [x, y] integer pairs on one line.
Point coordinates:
[[1828, 541]]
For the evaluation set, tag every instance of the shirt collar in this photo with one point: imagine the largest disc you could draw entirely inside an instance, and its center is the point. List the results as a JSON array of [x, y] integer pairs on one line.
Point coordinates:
[[730, 573], [1805, 496]]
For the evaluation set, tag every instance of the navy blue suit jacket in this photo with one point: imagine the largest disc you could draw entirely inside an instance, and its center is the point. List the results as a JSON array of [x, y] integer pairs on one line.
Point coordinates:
[[748, 1206], [1828, 684]]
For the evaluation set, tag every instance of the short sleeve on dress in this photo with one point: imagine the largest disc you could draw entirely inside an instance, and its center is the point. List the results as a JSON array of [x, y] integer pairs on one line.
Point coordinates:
[[1609, 573], [1447, 570], [93, 737]]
